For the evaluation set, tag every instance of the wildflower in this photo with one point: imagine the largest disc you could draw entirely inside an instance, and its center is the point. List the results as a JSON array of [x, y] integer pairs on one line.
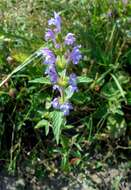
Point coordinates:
[[49, 56], [57, 46], [55, 103], [75, 55], [109, 13], [66, 107], [49, 35], [73, 82], [57, 65], [56, 21], [51, 71], [125, 2], [70, 39], [57, 87]]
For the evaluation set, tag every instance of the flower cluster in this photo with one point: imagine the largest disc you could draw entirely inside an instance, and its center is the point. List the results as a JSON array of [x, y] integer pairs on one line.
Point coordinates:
[[65, 52]]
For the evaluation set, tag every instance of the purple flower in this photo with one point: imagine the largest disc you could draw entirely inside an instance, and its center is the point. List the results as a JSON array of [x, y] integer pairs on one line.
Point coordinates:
[[65, 108], [125, 2], [51, 71], [75, 55], [70, 39], [57, 87], [49, 35], [109, 14], [73, 82], [56, 21], [57, 46], [55, 103], [48, 55]]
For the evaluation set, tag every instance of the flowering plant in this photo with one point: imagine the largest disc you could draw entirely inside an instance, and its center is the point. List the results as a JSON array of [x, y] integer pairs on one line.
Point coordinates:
[[58, 60]]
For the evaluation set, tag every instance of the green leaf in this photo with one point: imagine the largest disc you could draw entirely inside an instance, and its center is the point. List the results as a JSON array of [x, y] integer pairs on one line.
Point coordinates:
[[81, 98], [129, 98], [46, 130], [68, 127], [41, 123], [119, 86], [84, 79], [57, 120], [110, 90], [69, 93], [41, 80]]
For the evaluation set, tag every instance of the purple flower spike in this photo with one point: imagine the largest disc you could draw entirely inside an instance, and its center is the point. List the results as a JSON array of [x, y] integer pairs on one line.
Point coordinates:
[[49, 56], [75, 55], [65, 108], [56, 64], [49, 35], [56, 21], [73, 82], [51, 71], [55, 103], [70, 39]]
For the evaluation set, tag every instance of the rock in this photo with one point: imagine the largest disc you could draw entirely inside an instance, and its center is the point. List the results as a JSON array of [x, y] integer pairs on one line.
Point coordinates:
[[95, 178]]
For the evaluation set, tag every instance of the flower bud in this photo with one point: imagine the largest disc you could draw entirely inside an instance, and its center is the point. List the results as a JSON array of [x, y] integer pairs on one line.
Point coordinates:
[[60, 62], [63, 81]]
